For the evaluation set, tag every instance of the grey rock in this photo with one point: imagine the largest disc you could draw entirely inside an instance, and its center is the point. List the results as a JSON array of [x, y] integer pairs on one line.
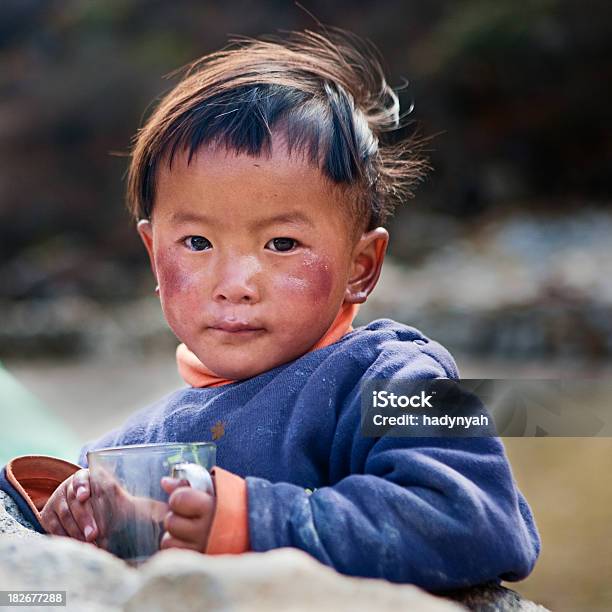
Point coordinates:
[[12, 520], [283, 579], [494, 598], [92, 578]]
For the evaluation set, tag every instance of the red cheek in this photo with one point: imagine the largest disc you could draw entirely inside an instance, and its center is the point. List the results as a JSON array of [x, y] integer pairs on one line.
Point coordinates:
[[172, 279], [313, 279], [179, 299]]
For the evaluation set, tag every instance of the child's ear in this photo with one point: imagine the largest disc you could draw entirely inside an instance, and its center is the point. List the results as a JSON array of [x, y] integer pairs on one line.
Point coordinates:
[[145, 231], [368, 257]]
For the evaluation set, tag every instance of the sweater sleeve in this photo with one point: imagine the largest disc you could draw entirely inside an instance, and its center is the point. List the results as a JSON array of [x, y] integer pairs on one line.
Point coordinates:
[[440, 513]]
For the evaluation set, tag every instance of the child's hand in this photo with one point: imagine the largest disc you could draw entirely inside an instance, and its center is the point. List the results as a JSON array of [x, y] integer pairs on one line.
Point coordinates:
[[68, 512], [189, 518], [114, 507]]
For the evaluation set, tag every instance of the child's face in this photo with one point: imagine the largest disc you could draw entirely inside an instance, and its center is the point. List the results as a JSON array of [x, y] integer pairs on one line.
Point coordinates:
[[254, 257]]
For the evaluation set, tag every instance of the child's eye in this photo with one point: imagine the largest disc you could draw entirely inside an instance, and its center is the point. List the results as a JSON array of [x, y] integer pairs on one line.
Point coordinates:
[[282, 245], [197, 243]]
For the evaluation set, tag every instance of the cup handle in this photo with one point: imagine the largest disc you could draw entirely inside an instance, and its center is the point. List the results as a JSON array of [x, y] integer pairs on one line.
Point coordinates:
[[198, 477]]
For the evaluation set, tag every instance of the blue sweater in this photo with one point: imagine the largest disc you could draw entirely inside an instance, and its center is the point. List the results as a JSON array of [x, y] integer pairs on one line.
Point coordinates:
[[437, 512]]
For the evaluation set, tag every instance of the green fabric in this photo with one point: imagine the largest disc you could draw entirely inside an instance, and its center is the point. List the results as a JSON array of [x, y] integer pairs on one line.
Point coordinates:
[[27, 427]]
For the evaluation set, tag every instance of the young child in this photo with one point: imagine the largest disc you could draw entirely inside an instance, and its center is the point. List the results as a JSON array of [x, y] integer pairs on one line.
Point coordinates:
[[260, 186]]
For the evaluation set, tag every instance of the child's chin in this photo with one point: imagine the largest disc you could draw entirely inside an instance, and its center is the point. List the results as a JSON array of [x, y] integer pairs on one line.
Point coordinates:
[[234, 372], [239, 371]]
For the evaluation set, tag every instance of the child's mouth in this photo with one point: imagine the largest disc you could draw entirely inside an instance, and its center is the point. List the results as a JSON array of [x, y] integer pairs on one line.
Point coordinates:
[[235, 328]]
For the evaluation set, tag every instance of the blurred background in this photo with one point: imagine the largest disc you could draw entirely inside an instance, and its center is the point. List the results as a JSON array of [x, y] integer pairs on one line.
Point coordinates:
[[504, 255]]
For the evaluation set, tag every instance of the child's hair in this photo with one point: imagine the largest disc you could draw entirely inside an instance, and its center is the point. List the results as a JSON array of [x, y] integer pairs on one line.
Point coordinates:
[[325, 93]]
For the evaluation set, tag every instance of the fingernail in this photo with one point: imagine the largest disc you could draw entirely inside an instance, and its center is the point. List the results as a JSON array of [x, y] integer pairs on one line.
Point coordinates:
[[88, 531], [81, 491]]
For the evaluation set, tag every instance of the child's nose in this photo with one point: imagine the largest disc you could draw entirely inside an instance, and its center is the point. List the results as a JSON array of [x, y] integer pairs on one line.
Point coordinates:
[[236, 282]]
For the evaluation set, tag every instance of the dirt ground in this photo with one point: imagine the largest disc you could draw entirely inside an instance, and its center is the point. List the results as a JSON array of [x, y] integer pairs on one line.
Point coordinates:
[[566, 480]]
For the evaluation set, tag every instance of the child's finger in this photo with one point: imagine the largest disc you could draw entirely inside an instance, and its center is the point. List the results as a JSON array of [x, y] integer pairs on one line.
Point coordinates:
[[64, 514], [51, 523], [80, 482], [191, 503], [82, 511], [168, 541], [102, 514], [183, 528], [84, 517], [143, 508], [169, 485]]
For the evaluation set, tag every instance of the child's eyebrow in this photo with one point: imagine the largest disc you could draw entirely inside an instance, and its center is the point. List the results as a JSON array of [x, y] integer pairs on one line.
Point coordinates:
[[294, 217], [189, 217]]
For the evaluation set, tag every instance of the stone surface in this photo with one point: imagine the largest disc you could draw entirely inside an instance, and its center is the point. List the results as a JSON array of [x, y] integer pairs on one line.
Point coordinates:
[[494, 598], [283, 579], [11, 520], [94, 580]]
